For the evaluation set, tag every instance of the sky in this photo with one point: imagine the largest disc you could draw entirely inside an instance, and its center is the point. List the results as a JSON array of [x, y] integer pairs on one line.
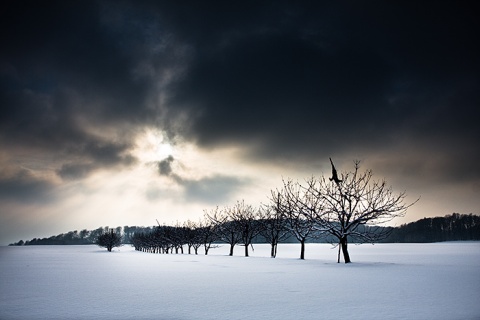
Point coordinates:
[[117, 113]]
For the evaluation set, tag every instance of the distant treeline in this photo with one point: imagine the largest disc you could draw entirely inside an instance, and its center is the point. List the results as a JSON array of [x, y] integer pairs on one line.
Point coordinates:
[[83, 236], [454, 227]]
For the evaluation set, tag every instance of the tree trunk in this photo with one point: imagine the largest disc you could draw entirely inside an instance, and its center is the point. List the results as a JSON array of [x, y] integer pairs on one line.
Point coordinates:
[[231, 249], [344, 243], [272, 252], [339, 247], [302, 249], [246, 250]]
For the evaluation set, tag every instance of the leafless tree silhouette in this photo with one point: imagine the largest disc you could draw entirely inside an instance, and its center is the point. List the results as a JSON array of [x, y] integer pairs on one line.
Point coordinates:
[[350, 207]]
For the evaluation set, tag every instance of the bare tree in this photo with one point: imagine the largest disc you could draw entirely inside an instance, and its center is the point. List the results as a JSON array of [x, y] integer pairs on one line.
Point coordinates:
[[178, 237], [193, 235], [296, 206], [351, 205], [274, 227], [109, 240], [190, 233], [206, 235], [198, 239], [227, 227], [246, 218]]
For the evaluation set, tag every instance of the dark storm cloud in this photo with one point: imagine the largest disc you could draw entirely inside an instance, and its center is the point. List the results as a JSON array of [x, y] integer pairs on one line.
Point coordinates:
[[22, 186], [94, 155], [286, 80], [56, 44], [300, 81], [282, 89], [68, 67]]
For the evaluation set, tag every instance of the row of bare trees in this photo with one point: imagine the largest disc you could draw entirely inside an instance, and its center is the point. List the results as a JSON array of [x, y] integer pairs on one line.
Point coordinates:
[[241, 224], [236, 225], [172, 239], [347, 207]]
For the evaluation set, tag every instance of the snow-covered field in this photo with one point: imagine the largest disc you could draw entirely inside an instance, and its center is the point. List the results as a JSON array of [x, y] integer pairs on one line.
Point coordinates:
[[385, 281]]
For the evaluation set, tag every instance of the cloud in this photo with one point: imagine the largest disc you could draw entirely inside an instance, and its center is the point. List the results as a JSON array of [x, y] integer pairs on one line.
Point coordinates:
[[277, 90], [211, 189], [71, 88], [289, 81], [165, 166], [75, 170], [23, 187], [94, 155], [296, 85]]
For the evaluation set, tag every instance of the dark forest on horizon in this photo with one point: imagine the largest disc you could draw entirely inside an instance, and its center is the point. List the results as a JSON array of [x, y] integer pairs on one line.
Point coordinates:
[[454, 227]]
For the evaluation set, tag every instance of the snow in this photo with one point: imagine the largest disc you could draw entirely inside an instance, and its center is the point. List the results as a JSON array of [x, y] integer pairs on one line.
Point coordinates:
[[385, 281]]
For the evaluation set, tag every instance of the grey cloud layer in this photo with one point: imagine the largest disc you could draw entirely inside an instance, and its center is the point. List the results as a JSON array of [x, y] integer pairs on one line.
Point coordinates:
[[300, 82], [25, 188], [66, 68], [285, 80], [212, 189]]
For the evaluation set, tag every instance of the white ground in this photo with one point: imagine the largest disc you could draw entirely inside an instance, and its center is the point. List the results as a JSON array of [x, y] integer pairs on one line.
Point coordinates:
[[386, 281]]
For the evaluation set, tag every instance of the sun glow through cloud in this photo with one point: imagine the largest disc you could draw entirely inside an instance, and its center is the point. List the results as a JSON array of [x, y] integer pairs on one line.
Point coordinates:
[[153, 146], [140, 194]]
